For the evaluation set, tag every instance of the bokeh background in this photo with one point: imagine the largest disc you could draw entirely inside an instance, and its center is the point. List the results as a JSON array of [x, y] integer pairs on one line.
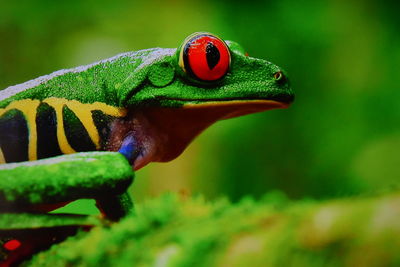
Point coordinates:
[[340, 137]]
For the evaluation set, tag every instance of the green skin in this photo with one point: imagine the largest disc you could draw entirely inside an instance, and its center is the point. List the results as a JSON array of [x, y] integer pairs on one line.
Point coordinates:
[[146, 82]]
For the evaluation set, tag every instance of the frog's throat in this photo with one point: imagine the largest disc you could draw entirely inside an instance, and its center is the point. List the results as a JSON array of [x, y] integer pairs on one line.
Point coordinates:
[[163, 133]]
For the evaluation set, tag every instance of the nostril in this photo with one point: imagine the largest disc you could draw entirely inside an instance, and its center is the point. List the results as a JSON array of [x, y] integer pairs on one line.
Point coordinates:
[[279, 77]]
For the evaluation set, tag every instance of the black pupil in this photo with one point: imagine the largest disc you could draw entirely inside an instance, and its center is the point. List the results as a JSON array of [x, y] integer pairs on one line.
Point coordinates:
[[212, 54]]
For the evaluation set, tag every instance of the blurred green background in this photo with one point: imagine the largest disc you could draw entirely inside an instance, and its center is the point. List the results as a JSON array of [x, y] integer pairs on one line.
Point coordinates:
[[340, 137]]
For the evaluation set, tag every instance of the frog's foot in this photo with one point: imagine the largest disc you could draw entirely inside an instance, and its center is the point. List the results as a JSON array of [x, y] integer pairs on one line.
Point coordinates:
[[115, 207], [22, 235], [47, 183], [129, 148], [21, 245]]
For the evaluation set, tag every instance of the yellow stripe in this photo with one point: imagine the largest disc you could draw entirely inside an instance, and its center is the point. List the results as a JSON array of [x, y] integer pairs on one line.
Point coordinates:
[[29, 108], [106, 109], [232, 103], [83, 111], [84, 114], [2, 159], [58, 104]]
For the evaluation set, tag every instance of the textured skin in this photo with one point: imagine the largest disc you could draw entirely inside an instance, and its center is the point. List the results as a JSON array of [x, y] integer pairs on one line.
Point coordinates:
[[131, 81], [151, 99], [152, 77], [16, 222], [28, 183]]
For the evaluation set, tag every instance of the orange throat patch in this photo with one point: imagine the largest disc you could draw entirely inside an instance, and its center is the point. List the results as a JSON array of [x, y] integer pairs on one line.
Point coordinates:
[[164, 133]]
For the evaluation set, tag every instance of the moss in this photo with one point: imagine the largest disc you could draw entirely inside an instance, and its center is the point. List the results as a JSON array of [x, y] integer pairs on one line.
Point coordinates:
[[170, 231]]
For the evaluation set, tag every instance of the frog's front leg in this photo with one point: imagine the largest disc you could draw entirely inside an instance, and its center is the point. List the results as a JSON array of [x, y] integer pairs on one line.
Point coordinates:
[[104, 176]]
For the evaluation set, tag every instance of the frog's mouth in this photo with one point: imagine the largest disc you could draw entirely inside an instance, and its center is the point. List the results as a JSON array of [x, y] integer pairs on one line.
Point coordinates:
[[163, 133]]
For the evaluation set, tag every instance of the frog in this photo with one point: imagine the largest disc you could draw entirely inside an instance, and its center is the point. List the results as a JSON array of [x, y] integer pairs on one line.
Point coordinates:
[[84, 132]]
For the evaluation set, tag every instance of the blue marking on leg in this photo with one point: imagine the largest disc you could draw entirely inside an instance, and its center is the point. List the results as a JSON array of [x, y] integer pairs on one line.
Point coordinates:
[[129, 148]]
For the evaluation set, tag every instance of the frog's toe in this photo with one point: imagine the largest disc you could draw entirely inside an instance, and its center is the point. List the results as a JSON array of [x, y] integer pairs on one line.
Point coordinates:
[[130, 148]]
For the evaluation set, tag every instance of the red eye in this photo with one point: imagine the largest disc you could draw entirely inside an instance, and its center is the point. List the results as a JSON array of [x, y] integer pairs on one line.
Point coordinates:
[[205, 57]]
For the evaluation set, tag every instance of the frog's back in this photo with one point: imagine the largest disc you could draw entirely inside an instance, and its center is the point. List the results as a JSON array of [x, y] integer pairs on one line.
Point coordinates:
[[64, 112], [84, 83]]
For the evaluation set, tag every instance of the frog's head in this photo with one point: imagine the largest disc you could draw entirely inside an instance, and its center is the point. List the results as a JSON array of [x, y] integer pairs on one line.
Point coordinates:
[[183, 91]]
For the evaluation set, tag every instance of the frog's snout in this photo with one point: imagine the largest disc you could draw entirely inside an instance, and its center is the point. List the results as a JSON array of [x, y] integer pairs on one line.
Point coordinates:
[[282, 82]]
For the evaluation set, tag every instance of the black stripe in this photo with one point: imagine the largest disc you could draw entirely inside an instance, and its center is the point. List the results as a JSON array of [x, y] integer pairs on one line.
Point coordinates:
[[46, 125], [76, 134], [185, 55], [14, 136], [103, 125]]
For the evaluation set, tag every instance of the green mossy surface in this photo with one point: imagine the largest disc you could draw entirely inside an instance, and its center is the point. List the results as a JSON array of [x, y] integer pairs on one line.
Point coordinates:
[[172, 230]]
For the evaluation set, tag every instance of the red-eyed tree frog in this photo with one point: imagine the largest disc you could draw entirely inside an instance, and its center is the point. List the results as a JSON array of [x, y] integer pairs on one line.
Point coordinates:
[[80, 133]]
